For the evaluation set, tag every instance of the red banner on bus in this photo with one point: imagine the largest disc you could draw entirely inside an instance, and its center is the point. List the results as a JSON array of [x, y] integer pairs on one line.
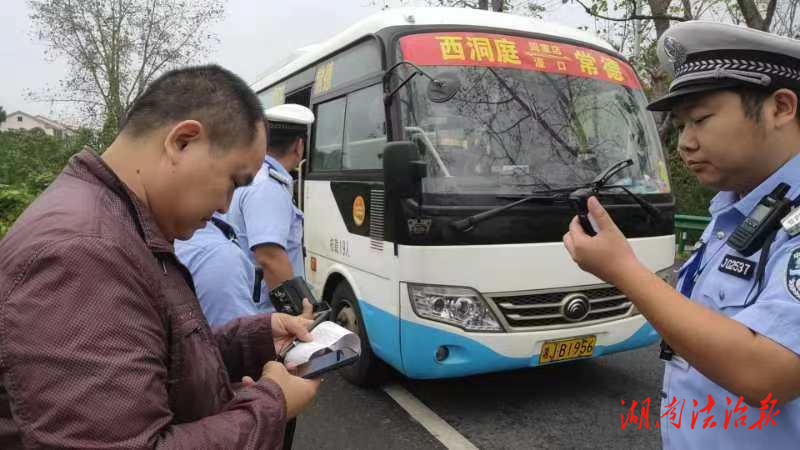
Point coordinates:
[[497, 50]]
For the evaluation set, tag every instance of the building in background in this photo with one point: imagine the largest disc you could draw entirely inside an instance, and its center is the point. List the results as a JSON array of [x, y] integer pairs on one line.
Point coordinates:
[[19, 120]]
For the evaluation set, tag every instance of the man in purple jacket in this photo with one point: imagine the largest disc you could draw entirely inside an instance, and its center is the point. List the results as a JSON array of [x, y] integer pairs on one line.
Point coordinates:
[[102, 341]]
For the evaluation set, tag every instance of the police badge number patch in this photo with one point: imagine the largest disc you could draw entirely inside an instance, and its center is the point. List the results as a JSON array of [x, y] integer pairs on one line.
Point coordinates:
[[793, 274], [738, 267]]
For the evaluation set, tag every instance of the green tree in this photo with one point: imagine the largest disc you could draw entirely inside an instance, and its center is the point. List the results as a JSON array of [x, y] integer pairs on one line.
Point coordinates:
[[2, 115], [29, 161], [116, 47]]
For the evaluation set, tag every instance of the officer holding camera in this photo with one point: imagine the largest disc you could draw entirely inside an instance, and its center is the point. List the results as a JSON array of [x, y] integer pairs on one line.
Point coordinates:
[[732, 329], [267, 222]]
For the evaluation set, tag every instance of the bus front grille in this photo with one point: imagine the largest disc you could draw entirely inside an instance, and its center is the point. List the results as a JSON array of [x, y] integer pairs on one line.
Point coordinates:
[[543, 309]]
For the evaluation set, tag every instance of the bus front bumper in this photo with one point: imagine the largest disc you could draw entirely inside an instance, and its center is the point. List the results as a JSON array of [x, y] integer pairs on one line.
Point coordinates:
[[476, 353]]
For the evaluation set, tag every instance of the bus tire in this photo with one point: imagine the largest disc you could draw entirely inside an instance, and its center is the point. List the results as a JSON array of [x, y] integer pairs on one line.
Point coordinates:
[[369, 370]]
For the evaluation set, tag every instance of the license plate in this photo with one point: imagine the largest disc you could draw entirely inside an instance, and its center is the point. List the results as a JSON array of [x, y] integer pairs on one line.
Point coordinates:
[[564, 349]]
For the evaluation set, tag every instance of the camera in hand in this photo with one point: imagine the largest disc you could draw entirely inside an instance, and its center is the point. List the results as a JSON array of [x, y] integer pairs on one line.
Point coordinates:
[[288, 297], [579, 200]]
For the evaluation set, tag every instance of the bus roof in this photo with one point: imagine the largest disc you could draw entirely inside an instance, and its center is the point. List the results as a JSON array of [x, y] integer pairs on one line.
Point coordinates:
[[422, 16]]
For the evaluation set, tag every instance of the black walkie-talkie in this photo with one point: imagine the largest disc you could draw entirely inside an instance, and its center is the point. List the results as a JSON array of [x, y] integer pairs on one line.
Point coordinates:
[[765, 218]]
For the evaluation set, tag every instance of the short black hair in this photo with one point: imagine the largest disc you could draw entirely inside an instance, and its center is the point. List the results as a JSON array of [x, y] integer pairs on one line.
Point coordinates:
[[210, 94], [280, 142], [753, 101]]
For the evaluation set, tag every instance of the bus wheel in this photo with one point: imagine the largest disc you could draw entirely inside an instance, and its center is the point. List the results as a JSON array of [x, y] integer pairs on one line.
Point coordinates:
[[369, 370]]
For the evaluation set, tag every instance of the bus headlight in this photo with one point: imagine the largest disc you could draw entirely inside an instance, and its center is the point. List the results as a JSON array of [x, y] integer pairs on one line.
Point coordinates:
[[461, 307]]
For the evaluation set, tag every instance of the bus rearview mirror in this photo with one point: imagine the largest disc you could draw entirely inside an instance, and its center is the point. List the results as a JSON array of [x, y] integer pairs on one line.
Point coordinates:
[[444, 87], [402, 169]]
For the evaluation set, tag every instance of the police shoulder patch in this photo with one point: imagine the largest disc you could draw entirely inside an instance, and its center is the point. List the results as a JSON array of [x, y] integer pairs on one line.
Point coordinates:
[[793, 274]]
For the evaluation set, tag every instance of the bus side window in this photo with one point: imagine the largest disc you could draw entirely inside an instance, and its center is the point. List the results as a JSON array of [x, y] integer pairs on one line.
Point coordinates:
[[327, 151], [365, 134]]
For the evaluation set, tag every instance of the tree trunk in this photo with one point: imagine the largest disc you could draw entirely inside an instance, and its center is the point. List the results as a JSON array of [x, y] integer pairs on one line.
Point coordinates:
[[498, 5], [752, 16], [660, 8], [483, 4], [660, 82], [687, 9]]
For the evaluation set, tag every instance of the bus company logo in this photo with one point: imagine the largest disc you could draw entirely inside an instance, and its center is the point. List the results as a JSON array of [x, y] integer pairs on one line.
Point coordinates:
[[575, 307], [359, 210]]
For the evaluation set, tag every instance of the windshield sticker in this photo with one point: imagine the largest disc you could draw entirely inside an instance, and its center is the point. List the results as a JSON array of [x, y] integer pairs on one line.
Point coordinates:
[[496, 50], [663, 174]]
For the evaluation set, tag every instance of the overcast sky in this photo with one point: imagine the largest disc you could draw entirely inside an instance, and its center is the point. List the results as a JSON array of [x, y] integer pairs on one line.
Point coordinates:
[[253, 36]]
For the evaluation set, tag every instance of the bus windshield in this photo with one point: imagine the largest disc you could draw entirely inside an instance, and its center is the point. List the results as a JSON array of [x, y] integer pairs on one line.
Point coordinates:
[[532, 121]]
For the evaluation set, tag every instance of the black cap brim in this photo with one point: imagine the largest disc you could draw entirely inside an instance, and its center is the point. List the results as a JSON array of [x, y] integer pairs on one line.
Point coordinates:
[[667, 102]]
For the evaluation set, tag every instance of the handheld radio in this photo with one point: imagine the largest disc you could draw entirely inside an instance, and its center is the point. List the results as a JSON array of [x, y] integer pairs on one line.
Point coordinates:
[[750, 235]]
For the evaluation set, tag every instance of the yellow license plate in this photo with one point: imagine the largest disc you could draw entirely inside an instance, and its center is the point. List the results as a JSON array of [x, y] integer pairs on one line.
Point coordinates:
[[564, 349]]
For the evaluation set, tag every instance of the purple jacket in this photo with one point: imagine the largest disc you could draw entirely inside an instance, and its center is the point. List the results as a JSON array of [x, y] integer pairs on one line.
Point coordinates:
[[102, 341]]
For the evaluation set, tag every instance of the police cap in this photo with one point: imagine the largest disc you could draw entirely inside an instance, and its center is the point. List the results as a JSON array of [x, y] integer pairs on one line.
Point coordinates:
[[289, 117], [704, 56]]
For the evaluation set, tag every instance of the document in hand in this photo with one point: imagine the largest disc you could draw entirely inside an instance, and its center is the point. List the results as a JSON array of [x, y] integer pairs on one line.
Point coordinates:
[[328, 336]]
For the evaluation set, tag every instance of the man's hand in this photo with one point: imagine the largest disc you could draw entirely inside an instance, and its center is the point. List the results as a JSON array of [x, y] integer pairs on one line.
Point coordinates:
[[297, 391], [606, 255], [286, 328]]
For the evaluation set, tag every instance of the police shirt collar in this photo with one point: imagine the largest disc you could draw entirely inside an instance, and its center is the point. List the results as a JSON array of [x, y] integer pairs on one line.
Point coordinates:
[[273, 164], [789, 173]]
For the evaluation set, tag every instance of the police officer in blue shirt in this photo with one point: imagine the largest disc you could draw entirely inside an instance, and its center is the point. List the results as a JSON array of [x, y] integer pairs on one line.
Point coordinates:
[[222, 272], [266, 219], [732, 329]]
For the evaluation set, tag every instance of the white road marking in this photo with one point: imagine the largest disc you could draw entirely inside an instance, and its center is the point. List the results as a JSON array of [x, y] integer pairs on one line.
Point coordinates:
[[440, 429]]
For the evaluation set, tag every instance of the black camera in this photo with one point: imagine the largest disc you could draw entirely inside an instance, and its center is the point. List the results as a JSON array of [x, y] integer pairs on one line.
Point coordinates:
[[288, 297]]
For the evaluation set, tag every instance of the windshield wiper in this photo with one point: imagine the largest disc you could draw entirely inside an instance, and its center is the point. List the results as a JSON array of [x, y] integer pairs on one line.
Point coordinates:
[[469, 223], [576, 195], [580, 197]]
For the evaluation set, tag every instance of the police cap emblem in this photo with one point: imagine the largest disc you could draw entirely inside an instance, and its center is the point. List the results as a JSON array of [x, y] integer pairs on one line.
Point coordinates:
[[707, 56], [674, 51]]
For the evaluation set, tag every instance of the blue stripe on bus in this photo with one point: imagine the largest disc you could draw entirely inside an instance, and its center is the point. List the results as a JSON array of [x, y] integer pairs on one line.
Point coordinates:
[[383, 330], [467, 356]]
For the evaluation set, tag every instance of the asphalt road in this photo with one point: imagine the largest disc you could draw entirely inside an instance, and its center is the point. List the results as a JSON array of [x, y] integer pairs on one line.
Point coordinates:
[[567, 406]]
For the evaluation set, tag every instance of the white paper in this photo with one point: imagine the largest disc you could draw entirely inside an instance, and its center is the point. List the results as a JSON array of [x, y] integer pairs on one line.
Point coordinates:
[[327, 335]]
